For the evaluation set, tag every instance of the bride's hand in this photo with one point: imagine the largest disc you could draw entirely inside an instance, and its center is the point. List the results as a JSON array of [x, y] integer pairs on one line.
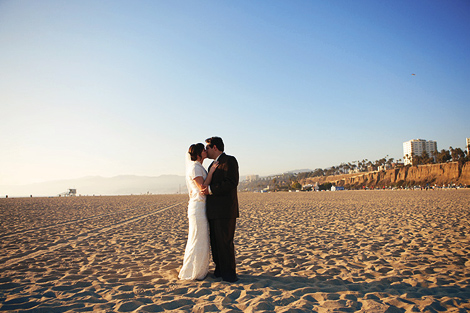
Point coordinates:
[[213, 167]]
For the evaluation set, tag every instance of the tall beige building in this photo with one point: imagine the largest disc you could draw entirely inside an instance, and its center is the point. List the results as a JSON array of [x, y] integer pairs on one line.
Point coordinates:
[[251, 178], [416, 147]]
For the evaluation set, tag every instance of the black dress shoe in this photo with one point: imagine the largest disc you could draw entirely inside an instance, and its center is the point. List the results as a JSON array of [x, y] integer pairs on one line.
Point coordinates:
[[217, 274], [230, 279]]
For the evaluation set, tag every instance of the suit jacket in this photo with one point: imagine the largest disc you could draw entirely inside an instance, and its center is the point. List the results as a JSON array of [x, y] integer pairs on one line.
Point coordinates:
[[223, 203]]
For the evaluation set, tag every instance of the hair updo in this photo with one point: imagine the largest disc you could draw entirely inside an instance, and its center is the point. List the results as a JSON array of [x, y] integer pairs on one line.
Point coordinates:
[[195, 150]]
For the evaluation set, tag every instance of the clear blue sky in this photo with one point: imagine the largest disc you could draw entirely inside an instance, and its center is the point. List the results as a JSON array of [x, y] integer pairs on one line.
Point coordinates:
[[124, 87]]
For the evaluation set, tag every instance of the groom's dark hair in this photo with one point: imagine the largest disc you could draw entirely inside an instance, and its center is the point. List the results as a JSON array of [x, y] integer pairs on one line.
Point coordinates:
[[215, 141], [195, 150]]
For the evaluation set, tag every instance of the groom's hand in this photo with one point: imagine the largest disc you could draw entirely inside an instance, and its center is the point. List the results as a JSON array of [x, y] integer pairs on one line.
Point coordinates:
[[205, 190]]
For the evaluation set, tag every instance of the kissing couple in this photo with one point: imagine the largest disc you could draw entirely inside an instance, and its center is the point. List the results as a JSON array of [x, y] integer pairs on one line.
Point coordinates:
[[212, 212]]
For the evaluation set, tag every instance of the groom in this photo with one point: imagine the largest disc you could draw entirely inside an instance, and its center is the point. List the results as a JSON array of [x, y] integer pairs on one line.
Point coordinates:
[[222, 209]]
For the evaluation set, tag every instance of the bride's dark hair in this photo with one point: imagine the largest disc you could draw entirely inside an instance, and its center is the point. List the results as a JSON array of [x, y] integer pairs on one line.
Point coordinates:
[[195, 150]]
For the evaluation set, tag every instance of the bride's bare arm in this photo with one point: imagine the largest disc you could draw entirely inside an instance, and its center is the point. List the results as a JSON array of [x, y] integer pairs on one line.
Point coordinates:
[[208, 180], [201, 183]]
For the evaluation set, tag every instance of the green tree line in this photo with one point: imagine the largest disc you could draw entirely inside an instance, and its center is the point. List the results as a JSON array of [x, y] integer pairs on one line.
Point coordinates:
[[443, 156], [291, 181]]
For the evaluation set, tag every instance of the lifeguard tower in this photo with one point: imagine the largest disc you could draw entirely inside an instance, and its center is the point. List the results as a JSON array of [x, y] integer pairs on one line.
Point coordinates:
[[70, 193]]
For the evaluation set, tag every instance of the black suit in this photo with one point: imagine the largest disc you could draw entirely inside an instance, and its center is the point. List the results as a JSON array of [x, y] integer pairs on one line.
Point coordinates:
[[222, 212]]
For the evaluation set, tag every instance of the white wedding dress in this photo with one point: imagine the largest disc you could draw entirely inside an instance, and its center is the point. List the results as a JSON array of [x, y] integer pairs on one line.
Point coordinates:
[[197, 252]]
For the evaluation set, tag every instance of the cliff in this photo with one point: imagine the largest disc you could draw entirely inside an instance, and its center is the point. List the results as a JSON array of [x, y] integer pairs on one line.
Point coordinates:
[[440, 174]]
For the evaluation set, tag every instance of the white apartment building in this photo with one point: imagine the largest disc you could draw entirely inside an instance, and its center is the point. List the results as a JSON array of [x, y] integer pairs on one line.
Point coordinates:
[[251, 178], [416, 147]]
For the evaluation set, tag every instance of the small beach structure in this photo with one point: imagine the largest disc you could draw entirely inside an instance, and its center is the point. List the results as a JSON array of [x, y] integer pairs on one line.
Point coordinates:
[[70, 193]]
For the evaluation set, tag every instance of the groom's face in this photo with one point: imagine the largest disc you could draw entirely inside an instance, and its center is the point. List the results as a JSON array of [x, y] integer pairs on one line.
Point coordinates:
[[210, 152]]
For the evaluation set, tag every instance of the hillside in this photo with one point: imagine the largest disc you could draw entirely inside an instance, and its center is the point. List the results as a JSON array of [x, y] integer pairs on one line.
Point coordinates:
[[96, 185], [432, 174]]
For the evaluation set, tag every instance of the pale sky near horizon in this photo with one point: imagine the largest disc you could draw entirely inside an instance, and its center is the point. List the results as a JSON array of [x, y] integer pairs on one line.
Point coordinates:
[[112, 88]]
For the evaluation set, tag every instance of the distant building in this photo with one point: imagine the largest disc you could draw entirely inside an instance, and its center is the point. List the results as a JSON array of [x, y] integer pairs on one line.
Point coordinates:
[[384, 167], [251, 178], [417, 147], [337, 188], [70, 193], [354, 170]]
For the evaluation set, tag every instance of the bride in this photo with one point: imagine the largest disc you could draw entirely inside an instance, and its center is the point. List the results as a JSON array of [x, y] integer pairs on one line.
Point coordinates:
[[197, 252]]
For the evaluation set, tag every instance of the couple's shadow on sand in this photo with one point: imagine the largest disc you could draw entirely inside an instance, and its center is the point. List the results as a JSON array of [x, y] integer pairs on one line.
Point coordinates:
[[319, 284]]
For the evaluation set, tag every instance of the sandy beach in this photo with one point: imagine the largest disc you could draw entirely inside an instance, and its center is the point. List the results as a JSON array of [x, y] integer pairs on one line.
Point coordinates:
[[347, 251]]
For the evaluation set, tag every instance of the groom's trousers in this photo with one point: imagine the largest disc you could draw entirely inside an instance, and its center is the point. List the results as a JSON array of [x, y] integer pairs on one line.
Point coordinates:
[[222, 232]]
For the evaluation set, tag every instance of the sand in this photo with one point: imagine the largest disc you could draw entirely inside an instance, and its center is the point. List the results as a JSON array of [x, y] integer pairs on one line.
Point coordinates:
[[347, 251]]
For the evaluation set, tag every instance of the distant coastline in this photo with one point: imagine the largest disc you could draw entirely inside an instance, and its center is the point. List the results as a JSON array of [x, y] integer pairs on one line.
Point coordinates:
[[428, 175], [443, 174], [97, 185]]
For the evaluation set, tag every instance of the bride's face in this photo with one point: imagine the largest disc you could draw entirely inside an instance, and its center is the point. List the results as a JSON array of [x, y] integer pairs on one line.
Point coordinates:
[[204, 154]]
